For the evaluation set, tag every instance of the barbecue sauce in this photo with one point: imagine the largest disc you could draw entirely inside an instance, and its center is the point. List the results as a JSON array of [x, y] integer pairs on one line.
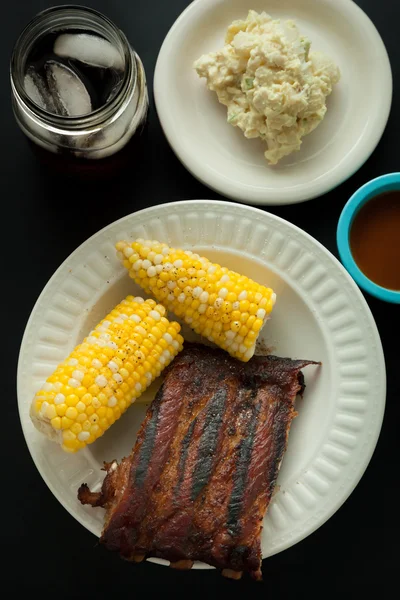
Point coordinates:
[[375, 240]]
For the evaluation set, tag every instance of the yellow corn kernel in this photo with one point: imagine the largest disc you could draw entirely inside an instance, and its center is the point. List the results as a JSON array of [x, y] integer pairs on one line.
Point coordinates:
[[71, 445], [258, 323], [66, 423], [214, 301], [61, 409], [235, 326], [253, 308], [90, 390], [72, 400], [252, 335], [56, 423], [244, 306], [76, 428], [250, 321], [103, 424], [87, 399], [71, 413], [51, 412]]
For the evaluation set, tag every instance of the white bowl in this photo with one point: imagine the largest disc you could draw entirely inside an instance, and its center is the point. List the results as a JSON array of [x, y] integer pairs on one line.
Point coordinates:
[[220, 156]]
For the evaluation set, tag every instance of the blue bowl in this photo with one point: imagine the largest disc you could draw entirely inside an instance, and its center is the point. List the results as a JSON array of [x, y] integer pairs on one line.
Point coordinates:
[[386, 183]]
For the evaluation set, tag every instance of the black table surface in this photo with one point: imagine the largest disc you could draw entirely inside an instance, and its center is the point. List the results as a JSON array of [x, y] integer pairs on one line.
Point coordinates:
[[44, 220]]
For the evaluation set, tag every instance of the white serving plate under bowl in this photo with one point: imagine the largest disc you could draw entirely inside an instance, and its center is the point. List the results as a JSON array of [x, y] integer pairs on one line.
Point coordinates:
[[320, 314], [218, 154]]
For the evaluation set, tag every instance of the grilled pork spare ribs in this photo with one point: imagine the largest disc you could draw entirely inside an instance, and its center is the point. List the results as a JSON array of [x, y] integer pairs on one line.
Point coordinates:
[[201, 474]]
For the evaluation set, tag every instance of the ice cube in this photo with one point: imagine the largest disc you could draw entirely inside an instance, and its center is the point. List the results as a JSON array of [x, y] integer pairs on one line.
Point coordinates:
[[90, 49], [70, 95], [33, 91], [35, 87]]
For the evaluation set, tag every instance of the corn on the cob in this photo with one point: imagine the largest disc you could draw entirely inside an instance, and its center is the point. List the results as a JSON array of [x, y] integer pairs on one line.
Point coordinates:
[[221, 305], [106, 373]]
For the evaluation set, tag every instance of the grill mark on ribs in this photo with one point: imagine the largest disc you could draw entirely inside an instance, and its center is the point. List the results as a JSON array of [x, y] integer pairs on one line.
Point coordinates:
[[244, 452], [147, 446], [184, 454], [201, 474], [209, 441]]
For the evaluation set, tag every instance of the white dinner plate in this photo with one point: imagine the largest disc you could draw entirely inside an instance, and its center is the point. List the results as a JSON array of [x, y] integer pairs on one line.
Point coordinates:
[[218, 154], [320, 314]]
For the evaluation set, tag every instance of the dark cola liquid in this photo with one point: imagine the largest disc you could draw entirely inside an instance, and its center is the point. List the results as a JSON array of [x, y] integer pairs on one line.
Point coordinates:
[[72, 73], [65, 163]]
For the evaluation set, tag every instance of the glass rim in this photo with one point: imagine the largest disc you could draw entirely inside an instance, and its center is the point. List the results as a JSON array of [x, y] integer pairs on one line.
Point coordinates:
[[26, 37]]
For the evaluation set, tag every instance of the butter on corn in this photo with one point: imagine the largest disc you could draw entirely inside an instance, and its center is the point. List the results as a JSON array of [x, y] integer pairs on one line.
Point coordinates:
[[226, 308], [104, 375]]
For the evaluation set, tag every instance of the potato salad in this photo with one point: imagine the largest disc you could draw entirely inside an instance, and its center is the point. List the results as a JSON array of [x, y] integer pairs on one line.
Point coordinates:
[[272, 85]]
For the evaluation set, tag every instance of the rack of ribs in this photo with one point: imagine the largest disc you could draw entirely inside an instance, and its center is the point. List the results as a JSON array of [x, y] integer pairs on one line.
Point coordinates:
[[202, 472]]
